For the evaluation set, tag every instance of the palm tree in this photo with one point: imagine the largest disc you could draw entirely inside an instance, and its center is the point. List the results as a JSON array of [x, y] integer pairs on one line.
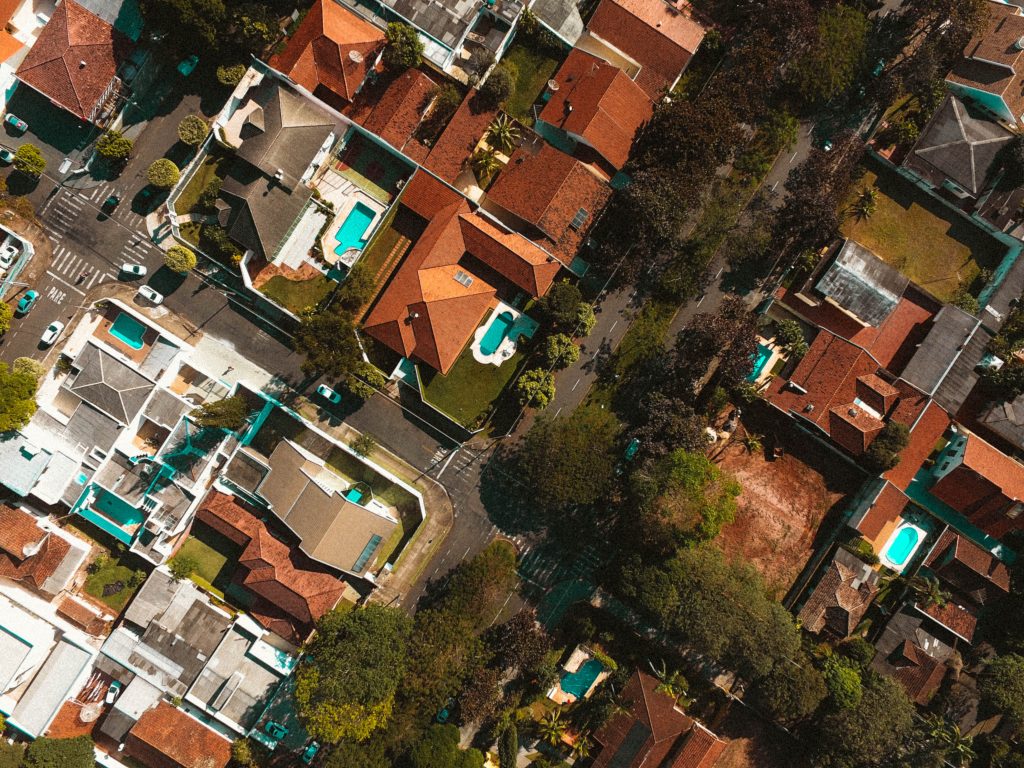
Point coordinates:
[[503, 134], [551, 728], [926, 591], [957, 748], [867, 202], [752, 442], [485, 164], [581, 749], [672, 683]]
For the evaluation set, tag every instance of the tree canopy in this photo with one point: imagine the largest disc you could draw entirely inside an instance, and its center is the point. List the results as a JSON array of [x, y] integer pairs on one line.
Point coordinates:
[[346, 685], [835, 56], [6, 315], [192, 130], [162, 173], [29, 160], [60, 753], [1002, 686], [17, 393], [114, 145], [180, 259], [229, 413], [884, 452], [404, 49], [439, 748]]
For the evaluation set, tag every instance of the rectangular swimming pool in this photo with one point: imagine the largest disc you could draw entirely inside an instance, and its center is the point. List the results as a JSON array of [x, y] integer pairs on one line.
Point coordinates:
[[128, 330], [578, 683], [761, 358], [496, 333], [350, 233]]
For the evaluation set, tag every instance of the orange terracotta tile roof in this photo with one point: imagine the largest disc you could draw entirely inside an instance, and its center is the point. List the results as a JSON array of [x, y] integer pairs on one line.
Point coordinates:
[[924, 434], [82, 615], [165, 737], [425, 312], [852, 427], [968, 568], [701, 749], [661, 36], [425, 196], [992, 62], [292, 591], [995, 466], [953, 617], [27, 552], [7, 9], [876, 393], [918, 673], [455, 145], [548, 188], [332, 49], [599, 103], [9, 45], [887, 507], [74, 59], [397, 115]]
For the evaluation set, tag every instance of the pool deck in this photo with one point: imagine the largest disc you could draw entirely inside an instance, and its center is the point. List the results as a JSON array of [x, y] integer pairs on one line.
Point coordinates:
[[102, 332], [344, 195], [521, 326]]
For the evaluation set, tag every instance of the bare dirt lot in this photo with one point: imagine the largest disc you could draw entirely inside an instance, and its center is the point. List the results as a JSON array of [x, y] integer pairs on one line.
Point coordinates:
[[784, 501], [753, 743]]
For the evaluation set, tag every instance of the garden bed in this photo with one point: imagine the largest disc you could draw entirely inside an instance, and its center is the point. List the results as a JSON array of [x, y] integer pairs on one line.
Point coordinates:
[[933, 246]]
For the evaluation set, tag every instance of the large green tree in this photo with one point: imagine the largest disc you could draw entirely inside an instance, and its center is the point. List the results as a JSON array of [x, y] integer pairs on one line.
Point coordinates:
[[60, 753], [348, 754], [17, 393], [836, 56], [569, 460], [346, 684], [1002, 686], [229, 413], [439, 748]]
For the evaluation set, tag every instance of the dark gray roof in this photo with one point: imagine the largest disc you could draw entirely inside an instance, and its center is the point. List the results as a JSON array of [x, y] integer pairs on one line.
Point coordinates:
[[108, 384], [862, 284], [1006, 419], [962, 145], [87, 428], [166, 409], [246, 471], [447, 20], [1010, 289], [285, 132], [562, 16], [259, 211]]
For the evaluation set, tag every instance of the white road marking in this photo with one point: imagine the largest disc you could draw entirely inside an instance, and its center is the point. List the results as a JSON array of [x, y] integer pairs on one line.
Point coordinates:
[[576, 384], [59, 279], [92, 280]]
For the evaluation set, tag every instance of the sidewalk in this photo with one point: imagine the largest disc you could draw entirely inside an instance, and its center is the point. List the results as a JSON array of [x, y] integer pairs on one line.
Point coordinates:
[[430, 534]]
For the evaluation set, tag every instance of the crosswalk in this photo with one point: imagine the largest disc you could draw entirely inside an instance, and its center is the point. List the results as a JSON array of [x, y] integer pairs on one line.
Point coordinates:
[[76, 271]]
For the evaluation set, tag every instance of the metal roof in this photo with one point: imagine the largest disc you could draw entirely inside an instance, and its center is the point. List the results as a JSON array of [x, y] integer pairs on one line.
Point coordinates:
[[862, 284], [21, 462]]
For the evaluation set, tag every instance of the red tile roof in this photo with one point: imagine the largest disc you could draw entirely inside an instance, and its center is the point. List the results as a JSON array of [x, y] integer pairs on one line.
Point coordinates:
[[27, 552], [992, 62], [74, 59], [548, 188], [984, 487], [397, 115], [598, 103], [852, 427], [967, 568], [165, 737], [332, 49], [918, 673], [955, 618], [836, 605], [665, 730], [425, 196], [659, 35], [887, 507], [924, 434], [455, 145], [425, 312], [292, 591], [83, 615]]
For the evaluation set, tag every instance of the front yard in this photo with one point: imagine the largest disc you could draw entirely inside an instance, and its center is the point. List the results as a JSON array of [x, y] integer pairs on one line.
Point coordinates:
[[211, 167], [298, 296], [934, 247], [468, 391]]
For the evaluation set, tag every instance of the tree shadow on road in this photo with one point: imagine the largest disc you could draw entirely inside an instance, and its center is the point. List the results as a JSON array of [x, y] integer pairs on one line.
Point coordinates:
[[504, 496]]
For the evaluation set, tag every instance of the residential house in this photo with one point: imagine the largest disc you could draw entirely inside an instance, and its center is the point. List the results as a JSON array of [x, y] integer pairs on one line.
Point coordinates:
[[653, 730], [457, 35], [1002, 423], [454, 274], [290, 591], [841, 597], [280, 138], [594, 111], [331, 53], [987, 73], [916, 652], [75, 62], [399, 112], [43, 661], [549, 197], [449, 156], [651, 40], [983, 484], [167, 737], [174, 643], [37, 554]]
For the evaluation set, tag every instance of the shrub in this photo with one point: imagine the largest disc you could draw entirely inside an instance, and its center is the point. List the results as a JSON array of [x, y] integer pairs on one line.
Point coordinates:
[[884, 452], [508, 747], [6, 314], [230, 74], [965, 301], [180, 259], [207, 200], [560, 351], [241, 753], [791, 336], [536, 388], [364, 445], [192, 130], [29, 160], [219, 244], [163, 174], [182, 567], [500, 85], [404, 49], [136, 579], [114, 145]]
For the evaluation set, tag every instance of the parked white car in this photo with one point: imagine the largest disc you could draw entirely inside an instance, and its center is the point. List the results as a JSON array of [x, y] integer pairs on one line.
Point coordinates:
[[150, 295], [135, 270], [53, 330], [8, 255]]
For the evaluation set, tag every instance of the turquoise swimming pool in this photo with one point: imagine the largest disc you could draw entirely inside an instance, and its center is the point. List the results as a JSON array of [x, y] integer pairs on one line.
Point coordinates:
[[350, 233], [902, 545], [354, 495], [578, 683], [128, 330], [761, 358], [496, 332]]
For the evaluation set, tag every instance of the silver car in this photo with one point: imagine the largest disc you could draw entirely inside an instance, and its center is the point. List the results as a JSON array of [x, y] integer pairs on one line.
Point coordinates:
[[133, 270], [52, 332], [150, 295]]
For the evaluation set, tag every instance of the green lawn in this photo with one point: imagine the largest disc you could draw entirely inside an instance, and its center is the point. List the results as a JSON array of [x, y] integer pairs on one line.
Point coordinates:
[[298, 295], [207, 170], [469, 389], [932, 246], [535, 68], [190, 231], [113, 578], [214, 554]]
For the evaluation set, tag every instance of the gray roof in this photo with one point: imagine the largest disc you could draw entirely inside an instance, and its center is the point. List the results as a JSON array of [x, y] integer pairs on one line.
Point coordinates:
[[13, 652], [50, 687], [21, 462], [246, 470], [122, 15], [160, 357], [1010, 289], [87, 428], [1006, 419], [962, 145], [862, 284], [59, 473], [138, 696], [447, 21], [562, 17], [166, 409], [943, 365], [108, 384], [67, 567], [257, 212]]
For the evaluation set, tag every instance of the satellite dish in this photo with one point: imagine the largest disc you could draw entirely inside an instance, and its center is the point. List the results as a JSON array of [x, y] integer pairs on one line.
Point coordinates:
[[356, 56], [90, 713], [552, 85], [33, 548]]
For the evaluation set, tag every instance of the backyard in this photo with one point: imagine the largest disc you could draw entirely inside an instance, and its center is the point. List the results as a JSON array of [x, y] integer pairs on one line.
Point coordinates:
[[469, 389], [534, 66], [214, 556], [931, 245], [112, 580], [298, 296]]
